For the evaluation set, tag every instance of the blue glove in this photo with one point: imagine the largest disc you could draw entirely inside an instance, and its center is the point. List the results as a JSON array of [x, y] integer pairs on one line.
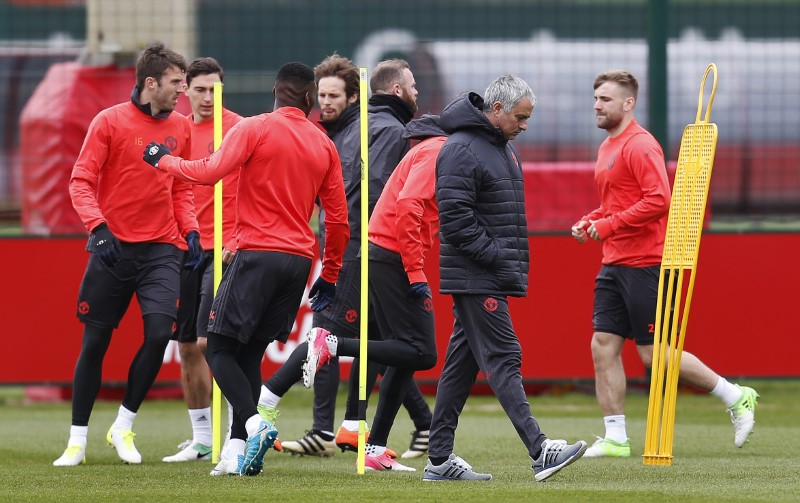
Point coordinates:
[[419, 290], [195, 257], [153, 153], [321, 294], [105, 245]]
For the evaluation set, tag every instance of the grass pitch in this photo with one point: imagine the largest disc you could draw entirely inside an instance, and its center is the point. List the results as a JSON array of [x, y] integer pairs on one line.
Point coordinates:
[[706, 467]]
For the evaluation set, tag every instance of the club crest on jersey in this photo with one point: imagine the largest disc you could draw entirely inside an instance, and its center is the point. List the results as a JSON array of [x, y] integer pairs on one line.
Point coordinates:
[[211, 147], [171, 143], [611, 162], [351, 315], [83, 307]]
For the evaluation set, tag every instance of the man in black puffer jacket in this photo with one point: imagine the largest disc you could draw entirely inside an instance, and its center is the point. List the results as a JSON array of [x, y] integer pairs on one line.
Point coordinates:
[[484, 259]]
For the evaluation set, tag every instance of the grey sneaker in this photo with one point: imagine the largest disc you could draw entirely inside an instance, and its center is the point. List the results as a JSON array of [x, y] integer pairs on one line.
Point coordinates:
[[454, 468], [555, 455]]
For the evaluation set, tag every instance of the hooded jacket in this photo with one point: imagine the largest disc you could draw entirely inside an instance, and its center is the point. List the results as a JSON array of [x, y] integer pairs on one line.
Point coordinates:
[[345, 133], [406, 218], [481, 197]]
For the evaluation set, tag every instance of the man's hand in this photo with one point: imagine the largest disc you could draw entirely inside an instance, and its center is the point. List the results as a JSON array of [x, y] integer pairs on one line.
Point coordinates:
[[153, 153], [195, 252], [592, 231], [105, 245], [579, 231], [419, 290], [321, 294]]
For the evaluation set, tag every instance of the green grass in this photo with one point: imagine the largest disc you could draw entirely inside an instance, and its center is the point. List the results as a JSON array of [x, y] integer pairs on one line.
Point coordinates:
[[706, 467]]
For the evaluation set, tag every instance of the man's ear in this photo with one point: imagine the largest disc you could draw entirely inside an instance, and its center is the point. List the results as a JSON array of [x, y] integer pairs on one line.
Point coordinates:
[[352, 99], [497, 108]]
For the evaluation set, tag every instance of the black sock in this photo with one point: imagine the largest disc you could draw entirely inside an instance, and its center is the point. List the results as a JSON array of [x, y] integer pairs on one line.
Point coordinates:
[[438, 461]]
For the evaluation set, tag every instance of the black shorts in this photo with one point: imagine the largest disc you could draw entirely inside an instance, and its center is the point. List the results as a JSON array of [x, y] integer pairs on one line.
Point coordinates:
[[259, 296], [399, 316], [342, 316], [197, 293], [625, 301], [151, 270]]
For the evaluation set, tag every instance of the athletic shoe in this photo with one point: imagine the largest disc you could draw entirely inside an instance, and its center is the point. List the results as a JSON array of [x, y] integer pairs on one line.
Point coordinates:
[[607, 448], [122, 441], [419, 444], [318, 354], [555, 455], [190, 451], [231, 466], [384, 462], [258, 445], [743, 415], [454, 468], [271, 414], [311, 444], [347, 440], [74, 455]]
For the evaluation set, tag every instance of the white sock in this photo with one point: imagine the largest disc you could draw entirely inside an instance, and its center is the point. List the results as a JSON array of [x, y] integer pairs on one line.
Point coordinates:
[[124, 419], [235, 448], [727, 392], [201, 426], [230, 419], [350, 425], [374, 450], [77, 435], [333, 342], [268, 398], [615, 428], [251, 425]]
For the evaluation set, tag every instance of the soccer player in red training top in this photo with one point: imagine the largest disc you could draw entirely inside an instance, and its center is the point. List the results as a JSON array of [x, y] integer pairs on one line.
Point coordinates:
[[401, 231], [631, 222], [197, 285], [137, 218], [286, 163]]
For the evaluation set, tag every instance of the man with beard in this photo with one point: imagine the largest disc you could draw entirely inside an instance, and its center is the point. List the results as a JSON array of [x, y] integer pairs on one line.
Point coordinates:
[[631, 222], [338, 87], [137, 218]]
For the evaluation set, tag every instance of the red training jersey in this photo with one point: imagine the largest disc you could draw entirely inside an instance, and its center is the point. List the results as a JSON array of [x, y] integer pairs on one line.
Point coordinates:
[[111, 183], [406, 216], [286, 163], [631, 177], [203, 146]]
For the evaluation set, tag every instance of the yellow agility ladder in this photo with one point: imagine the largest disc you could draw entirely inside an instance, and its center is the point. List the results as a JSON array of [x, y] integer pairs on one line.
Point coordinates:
[[676, 281]]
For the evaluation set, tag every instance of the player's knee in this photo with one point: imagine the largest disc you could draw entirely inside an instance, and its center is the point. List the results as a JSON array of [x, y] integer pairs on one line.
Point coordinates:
[[202, 344], [427, 362]]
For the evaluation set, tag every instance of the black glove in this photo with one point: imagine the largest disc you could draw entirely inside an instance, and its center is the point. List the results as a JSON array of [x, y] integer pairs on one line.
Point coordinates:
[[153, 153], [418, 290], [195, 252], [105, 245], [321, 294]]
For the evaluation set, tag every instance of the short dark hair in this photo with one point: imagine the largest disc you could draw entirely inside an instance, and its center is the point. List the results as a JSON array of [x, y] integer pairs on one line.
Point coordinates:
[[203, 66], [155, 61], [341, 67], [295, 73], [621, 77], [386, 74], [295, 87]]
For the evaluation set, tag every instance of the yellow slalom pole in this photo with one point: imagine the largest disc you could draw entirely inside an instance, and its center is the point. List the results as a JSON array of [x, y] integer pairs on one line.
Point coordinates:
[[679, 264], [363, 318], [216, 394]]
